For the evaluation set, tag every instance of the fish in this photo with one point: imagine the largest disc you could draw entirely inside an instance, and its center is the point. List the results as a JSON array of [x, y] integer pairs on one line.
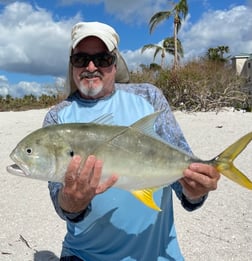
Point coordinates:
[[143, 160]]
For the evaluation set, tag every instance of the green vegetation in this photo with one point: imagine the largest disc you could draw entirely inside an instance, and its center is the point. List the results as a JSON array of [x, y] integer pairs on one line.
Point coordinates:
[[201, 85], [28, 102], [217, 53]]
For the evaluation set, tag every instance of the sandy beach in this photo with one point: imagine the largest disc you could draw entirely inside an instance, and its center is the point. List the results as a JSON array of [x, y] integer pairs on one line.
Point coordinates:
[[220, 231]]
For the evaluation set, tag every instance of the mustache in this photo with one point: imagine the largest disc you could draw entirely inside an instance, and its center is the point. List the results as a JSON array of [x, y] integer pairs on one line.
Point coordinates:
[[90, 75]]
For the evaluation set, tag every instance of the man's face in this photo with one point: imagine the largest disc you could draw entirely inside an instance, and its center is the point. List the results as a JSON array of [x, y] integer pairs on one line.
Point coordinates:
[[93, 81]]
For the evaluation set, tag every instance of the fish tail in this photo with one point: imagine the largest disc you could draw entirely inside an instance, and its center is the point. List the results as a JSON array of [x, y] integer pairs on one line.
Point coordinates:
[[224, 162]]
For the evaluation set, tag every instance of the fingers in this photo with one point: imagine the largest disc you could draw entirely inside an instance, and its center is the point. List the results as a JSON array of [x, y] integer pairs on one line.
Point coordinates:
[[199, 179], [72, 173], [87, 173], [87, 177], [90, 173], [82, 183], [107, 184], [202, 174]]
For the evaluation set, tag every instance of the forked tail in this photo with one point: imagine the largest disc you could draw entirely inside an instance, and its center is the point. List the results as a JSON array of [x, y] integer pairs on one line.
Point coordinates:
[[224, 162]]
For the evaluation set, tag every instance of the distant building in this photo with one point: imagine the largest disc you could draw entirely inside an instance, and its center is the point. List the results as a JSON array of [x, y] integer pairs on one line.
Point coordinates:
[[242, 64]]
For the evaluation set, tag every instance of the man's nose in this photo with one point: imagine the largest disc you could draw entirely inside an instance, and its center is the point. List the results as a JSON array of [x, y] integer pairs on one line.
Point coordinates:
[[91, 66]]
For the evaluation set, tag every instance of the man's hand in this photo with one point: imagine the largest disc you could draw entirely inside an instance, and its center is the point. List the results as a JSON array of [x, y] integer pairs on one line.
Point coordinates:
[[82, 183], [198, 180]]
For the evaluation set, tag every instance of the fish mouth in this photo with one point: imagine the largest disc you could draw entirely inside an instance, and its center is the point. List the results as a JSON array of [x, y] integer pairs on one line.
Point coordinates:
[[17, 170]]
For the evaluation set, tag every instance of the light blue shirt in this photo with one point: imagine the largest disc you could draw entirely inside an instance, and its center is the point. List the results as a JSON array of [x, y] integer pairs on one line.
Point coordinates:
[[117, 226]]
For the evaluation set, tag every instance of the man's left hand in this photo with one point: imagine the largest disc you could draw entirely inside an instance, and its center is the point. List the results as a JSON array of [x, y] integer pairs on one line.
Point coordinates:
[[198, 180]]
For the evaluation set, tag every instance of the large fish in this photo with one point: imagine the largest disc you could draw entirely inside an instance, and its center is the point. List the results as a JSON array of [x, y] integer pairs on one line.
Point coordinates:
[[142, 159]]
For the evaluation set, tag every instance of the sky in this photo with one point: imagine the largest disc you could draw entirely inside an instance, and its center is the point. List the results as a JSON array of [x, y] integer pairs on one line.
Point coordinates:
[[35, 35]]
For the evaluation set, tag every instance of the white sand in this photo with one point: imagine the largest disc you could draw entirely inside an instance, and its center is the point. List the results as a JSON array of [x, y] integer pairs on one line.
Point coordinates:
[[220, 231]]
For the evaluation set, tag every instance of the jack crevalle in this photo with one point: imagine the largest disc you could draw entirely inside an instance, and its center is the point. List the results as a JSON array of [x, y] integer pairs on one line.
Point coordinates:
[[143, 161]]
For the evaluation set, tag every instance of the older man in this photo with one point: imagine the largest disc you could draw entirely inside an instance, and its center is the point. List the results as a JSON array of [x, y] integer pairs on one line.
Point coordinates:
[[103, 222]]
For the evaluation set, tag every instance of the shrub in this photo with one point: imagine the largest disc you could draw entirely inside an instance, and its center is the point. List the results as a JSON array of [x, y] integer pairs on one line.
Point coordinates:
[[199, 86]]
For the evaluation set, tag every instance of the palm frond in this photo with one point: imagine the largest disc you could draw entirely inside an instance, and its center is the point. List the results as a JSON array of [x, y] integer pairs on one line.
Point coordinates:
[[148, 46], [182, 8], [157, 18], [159, 49]]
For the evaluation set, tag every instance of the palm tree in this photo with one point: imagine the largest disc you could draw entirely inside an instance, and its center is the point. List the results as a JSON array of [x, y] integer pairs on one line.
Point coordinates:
[[170, 47], [217, 53], [166, 47], [223, 49], [158, 49], [212, 54], [178, 10]]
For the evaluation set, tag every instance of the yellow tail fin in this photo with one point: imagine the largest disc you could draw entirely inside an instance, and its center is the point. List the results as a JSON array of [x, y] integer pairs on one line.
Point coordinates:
[[224, 162]]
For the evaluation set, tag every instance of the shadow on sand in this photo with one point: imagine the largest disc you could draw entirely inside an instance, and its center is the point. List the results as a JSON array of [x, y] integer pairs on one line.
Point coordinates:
[[45, 256]]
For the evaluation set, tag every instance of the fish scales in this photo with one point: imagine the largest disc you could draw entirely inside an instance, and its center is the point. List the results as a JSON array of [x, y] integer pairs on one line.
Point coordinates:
[[141, 160]]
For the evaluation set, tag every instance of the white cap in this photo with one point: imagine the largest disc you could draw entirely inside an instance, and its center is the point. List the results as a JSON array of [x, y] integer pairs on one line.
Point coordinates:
[[103, 31]]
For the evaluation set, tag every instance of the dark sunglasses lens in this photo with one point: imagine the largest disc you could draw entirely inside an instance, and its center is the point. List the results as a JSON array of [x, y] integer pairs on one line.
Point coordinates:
[[100, 60], [104, 60], [79, 60]]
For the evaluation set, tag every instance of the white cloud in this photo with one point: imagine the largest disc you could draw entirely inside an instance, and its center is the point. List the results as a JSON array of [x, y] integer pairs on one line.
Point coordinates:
[[3, 79], [135, 58], [134, 12], [129, 11], [229, 27], [30, 88], [32, 42], [3, 86]]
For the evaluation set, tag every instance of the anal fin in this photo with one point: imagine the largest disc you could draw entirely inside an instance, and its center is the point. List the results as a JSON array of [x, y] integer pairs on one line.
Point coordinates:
[[146, 197]]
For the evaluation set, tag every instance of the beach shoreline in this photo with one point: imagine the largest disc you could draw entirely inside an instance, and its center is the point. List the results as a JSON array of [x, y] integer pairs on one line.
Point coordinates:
[[220, 231]]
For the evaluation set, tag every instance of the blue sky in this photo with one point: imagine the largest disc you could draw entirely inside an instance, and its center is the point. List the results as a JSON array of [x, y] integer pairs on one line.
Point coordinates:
[[35, 35]]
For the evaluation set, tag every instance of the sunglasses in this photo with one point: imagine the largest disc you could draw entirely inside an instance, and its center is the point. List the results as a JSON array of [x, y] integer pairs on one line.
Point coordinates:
[[80, 60]]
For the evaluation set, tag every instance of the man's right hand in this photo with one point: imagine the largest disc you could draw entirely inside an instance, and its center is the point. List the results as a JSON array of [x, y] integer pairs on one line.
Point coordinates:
[[82, 183]]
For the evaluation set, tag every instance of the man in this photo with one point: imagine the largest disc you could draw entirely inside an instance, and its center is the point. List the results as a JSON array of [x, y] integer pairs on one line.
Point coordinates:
[[105, 223]]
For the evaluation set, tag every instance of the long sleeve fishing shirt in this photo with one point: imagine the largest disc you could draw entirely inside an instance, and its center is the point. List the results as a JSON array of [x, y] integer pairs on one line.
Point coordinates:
[[116, 226]]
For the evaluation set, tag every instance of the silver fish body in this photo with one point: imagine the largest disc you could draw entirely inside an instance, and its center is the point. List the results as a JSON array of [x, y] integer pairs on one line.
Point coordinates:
[[143, 161], [139, 159]]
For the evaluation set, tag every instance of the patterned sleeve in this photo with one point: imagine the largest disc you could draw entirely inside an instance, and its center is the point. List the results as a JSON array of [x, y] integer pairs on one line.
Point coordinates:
[[54, 188], [51, 117]]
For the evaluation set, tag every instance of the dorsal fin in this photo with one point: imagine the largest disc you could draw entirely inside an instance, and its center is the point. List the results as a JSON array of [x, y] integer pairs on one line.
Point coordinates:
[[146, 125]]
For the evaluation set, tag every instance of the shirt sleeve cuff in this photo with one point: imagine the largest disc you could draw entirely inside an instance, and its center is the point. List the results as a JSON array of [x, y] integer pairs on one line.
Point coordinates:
[[78, 216], [192, 204]]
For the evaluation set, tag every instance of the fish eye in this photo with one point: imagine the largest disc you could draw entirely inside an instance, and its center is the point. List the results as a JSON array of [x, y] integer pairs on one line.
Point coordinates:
[[29, 151], [71, 153]]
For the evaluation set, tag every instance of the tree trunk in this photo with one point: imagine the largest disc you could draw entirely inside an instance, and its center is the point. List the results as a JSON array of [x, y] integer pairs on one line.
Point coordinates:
[[175, 45]]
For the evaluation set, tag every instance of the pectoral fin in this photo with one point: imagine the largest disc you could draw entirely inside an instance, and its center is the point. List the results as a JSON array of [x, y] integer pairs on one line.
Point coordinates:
[[146, 197]]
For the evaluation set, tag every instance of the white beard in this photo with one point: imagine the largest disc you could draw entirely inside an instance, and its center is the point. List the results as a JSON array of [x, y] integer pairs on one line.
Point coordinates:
[[89, 89]]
